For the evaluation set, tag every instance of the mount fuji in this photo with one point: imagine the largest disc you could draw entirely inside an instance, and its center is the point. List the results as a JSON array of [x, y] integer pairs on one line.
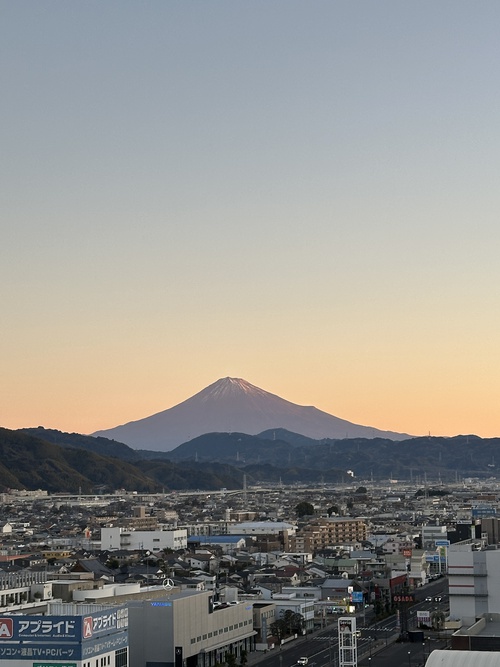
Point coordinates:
[[235, 405]]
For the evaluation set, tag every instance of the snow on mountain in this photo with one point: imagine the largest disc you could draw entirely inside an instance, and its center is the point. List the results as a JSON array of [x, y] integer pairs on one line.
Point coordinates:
[[233, 404]]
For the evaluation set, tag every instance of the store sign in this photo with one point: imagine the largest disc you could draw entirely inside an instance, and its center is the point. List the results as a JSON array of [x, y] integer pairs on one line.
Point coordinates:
[[63, 628], [347, 624], [403, 598]]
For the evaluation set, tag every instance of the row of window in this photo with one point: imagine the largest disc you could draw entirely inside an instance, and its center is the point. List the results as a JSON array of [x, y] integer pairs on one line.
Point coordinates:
[[105, 660], [229, 628]]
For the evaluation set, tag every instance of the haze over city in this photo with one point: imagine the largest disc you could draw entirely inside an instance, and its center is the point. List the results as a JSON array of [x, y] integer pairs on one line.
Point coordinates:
[[304, 195]]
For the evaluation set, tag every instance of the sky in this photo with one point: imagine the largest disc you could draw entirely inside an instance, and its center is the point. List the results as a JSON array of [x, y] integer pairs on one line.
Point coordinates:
[[305, 195]]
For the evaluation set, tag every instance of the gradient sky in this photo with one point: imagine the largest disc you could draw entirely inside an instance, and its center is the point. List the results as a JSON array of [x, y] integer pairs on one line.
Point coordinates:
[[302, 194]]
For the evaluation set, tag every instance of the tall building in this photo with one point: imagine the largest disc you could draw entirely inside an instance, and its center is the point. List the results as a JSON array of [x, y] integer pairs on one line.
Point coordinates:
[[474, 585]]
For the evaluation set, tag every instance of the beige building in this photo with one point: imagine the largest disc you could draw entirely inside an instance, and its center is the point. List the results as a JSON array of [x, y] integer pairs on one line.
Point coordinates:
[[323, 533]]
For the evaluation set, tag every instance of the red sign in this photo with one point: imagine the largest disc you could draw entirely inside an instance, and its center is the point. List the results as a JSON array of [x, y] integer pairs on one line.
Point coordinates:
[[6, 628], [407, 553], [88, 626], [403, 598]]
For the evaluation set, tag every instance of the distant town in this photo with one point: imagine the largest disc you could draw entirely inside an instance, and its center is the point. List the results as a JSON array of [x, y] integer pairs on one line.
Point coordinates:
[[231, 577]]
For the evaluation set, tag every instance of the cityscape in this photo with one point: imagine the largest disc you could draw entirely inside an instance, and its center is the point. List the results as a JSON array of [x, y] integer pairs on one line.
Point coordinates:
[[250, 576], [249, 354]]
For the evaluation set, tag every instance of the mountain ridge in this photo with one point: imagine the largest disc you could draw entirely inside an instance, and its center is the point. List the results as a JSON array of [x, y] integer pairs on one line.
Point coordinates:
[[234, 404]]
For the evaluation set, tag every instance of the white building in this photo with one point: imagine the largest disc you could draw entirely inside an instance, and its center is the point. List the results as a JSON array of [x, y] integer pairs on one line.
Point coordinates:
[[432, 533], [298, 605], [474, 585], [150, 540], [261, 528]]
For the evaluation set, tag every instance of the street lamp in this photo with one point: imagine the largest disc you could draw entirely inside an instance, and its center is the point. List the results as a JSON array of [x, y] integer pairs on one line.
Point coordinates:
[[423, 650], [409, 658]]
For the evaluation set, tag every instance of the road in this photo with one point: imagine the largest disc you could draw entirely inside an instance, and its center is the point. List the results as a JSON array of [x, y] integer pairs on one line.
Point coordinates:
[[377, 644]]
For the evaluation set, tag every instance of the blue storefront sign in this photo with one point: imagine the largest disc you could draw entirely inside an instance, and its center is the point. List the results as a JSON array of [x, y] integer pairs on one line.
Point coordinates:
[[63, 638]]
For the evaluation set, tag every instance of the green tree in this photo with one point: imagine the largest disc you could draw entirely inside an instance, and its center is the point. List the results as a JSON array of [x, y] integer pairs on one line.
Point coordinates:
[[230, 659], [243, 658], [437, 619], [304, 509]]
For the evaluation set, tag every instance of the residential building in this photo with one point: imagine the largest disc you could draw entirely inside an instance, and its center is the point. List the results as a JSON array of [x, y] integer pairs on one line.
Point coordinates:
[[322, 533]]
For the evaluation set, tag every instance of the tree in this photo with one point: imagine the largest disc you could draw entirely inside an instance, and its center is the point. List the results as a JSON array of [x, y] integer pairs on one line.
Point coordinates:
[[334, 509], [230, 659], [361, 490], [278, 628], [304, 509], [437, 619], [243, 658], [294, 622]]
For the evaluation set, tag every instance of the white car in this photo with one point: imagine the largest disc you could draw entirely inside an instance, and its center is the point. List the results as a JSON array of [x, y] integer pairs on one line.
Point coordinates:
[[303, 661]]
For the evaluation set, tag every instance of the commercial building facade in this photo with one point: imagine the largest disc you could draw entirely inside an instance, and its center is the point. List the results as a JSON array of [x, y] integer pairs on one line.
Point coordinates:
[[474, 586], [118, 537], [188, 630], [83, 636]]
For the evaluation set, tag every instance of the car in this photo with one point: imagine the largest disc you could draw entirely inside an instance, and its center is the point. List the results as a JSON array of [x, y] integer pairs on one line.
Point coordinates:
[[428, 598], [303, 661], [438, 598]]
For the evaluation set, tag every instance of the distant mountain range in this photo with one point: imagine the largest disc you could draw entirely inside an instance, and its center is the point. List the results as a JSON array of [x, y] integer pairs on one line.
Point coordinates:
[[234, 405], [72, 463]]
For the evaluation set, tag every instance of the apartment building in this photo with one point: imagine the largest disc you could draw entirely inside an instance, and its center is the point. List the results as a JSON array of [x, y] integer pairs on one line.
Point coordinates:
[[322, 533]]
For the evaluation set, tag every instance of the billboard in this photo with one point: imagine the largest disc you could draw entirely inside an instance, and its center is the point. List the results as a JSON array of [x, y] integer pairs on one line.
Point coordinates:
[[63, 628], [403, 597], [62, 639], [65, 652], [347, 625], [423, 617]]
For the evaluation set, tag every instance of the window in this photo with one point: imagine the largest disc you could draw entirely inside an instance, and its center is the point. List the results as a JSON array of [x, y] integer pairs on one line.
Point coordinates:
[[121, 657]]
